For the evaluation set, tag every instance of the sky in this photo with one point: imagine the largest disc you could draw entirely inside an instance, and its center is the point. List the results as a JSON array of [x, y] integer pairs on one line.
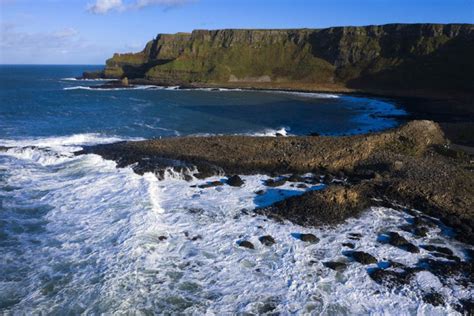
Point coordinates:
[[90, 31]]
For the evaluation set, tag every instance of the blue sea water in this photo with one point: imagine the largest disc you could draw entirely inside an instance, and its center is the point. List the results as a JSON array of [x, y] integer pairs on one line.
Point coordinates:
[[79, 236], [39, 101]]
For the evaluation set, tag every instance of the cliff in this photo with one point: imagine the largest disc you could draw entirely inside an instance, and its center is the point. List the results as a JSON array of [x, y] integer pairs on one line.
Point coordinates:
[[406, 59]]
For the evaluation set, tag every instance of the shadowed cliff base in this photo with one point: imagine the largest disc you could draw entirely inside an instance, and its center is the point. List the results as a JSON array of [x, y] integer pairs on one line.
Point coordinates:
[[410, 165]]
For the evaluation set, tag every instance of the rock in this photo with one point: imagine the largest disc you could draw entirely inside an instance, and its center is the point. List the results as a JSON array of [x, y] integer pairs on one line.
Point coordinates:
[[296, 178], [301, 186], [466, 306], [335, 265], [124, 81], [267, 240], [210, 184], [349, 245], [389, 278], [246, 244], [434, 299], [329, 206], [399, 241], [235, 181], [314, 134], [307, 238], [260, 192], [443, 250], [397, 165], [362, 257], [275, 183], [161, 238]]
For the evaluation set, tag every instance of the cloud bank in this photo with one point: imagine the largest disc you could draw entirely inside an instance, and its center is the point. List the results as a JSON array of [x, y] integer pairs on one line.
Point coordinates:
[[106, 6]]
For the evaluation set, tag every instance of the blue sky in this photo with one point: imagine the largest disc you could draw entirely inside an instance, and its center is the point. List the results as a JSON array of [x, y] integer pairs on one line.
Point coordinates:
[[89, 31]]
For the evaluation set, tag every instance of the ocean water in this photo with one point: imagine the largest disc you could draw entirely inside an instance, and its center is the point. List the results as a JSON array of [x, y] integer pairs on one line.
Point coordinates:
[[80, 236]]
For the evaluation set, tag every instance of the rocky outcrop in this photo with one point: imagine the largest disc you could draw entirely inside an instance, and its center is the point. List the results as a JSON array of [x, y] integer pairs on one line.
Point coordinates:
[[409, 165], [405, 59]]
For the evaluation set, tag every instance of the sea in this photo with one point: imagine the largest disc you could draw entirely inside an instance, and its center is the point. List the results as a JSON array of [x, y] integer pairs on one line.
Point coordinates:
[[80, 236]]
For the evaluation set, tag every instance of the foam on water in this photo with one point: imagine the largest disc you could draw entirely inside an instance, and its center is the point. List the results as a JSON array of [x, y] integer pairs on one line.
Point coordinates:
[[79, 235]]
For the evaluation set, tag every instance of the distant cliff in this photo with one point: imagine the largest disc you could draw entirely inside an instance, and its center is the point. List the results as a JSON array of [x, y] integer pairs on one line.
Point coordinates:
[[409, 59]]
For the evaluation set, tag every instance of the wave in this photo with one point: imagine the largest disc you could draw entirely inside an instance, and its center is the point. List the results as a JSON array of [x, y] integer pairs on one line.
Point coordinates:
[[138, 87], [80, 79], [284, 131], [178, 88], [84, 224]]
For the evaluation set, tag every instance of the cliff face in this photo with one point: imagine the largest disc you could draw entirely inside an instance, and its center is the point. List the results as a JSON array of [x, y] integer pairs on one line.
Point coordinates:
[[396, 57]]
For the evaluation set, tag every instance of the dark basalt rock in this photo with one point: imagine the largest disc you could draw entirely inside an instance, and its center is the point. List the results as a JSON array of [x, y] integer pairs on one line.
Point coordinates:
[[161, 238], [443, 250], [466, 306], [246, 244], [260, 192], [399, 241], [210, 184], [349, 245], [361, 257], [416, 231], [442, 255], [306, 237], [335, 265], [275, 183], [235, 181], [296, 178], [389, 278], [301, 186], [267, 240], [332, 205], [434, 299]]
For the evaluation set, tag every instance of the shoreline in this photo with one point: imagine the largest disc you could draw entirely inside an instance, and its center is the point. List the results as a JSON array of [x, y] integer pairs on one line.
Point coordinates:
[[455, 113]]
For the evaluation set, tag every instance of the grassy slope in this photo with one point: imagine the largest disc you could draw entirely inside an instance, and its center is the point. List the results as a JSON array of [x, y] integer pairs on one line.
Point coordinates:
[[404, 59]]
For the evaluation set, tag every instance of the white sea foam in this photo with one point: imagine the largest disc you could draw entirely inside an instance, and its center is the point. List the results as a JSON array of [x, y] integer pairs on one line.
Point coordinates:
[[284, 131], [86, 237], [83, 79]]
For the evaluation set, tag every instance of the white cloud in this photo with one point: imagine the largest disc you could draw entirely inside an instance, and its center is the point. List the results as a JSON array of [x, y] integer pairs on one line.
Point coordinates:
[[105, 6]]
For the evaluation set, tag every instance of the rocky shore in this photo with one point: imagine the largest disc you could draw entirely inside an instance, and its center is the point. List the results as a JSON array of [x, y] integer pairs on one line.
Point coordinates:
[[408, 167]]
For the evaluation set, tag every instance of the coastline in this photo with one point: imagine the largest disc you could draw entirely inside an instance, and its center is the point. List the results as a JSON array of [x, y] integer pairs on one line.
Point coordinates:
[[453, 111], [409, 166]]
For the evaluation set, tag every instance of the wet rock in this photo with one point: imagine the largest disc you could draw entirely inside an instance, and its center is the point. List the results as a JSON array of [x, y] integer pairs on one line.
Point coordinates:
[[442, 255], [161, 238], [260, 192], [355, 236], [301, 186], [335, 265], [235, 181], [266, 240], [434, 299], [275, 183], [389, 278], [444, 270], [466, 306], [362, 257], [245, 244], [296, 178], [197, 237], [210, 184], [416, 231], [332, 205], [434, 248], [306, 237], [399, 241], [349, 245]]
